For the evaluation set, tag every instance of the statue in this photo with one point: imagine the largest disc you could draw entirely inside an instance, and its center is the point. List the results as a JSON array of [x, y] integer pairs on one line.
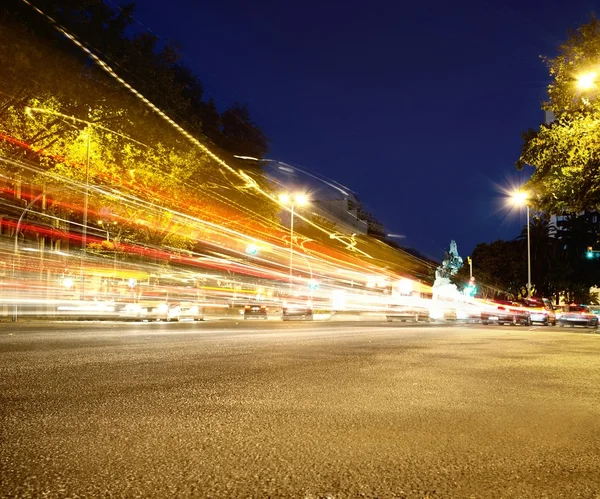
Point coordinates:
[[449, 266], [445, 294]]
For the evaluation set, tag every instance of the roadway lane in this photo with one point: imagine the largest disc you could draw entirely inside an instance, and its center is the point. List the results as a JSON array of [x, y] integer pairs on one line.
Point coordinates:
[[298, 410]]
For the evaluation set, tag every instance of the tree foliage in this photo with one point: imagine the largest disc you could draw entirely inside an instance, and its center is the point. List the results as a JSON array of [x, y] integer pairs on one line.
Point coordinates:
[[565, 152], [132, 151], [560, 266]]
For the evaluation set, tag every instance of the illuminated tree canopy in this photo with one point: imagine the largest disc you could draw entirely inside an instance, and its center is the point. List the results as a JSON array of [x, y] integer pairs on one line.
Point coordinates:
[[565, 153]]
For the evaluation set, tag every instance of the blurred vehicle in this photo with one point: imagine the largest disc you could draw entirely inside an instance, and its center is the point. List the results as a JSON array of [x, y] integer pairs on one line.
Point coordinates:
[[131, 311], [171, 303], [297, 310], [408, 313], [160, 311], [191, 311], [86, 309], [468, 312], [577, 315], [540, 310], [156, 310], [594, 309], [255, 311], [505, 312]]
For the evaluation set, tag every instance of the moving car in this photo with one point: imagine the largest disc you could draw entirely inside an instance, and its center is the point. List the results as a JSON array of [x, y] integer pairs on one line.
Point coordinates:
[[577, 315], [186, 310], [297, 310], [255, 311], [405, 313], [505, 312], [540, 310]]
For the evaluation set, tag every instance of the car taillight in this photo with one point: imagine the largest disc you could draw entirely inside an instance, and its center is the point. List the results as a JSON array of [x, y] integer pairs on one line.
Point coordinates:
[[264, 307], [247, 307]]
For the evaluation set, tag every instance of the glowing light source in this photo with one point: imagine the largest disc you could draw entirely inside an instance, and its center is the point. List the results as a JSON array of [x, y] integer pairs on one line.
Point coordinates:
[[520, 197], [586, 81], [590, 252], [405, 287], [297, 199], [301, 199]]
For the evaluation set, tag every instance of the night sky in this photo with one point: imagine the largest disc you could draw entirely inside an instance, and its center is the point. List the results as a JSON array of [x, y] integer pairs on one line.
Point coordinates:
[[418, 107]]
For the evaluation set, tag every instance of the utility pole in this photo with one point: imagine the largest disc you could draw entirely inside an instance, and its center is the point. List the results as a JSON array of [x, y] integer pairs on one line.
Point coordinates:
[[85, 216]]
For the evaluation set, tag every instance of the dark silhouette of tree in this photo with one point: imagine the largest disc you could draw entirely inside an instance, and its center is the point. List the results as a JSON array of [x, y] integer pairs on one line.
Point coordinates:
[[543, 251], [240, 134], [499, 268], [151, 66]]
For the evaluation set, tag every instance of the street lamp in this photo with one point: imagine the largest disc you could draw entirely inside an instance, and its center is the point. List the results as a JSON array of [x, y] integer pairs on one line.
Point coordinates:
[[521, 198], [291, 201], [586, 81]]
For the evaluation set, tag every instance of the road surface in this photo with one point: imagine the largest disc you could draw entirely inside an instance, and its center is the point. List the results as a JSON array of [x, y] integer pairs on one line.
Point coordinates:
[[309, 410]]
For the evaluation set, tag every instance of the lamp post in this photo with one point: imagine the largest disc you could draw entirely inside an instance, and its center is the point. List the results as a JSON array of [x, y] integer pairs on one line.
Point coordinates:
[[291, 201], [521, 198], [85, 214], [106, 227]]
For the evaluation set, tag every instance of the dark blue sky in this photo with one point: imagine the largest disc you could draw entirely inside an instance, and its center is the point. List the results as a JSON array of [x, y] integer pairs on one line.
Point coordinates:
[[416, 106]]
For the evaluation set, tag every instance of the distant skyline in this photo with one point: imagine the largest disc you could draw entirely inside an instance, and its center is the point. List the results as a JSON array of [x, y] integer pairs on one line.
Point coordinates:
[[418, 108]]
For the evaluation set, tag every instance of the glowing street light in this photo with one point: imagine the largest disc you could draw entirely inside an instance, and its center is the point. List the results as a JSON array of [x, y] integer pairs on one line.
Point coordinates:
[[291, 201], [521, 198], [586, 81]]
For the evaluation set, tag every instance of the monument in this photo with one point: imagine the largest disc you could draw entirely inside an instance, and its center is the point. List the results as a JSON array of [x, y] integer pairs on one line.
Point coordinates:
[[445, 293]]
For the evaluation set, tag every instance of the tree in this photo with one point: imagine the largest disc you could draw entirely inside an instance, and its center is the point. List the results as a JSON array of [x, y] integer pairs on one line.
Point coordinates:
[[240, 134], [543, 244], [43, 71], [499, 269], [576, 272], [565, 152]]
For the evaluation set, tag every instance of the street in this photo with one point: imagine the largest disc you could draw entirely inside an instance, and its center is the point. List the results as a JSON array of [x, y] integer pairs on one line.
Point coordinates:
[[309, 410]]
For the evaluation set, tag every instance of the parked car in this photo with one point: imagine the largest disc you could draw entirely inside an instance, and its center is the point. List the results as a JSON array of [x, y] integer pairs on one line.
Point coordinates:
[[408, 313], [505, 312], [255, 311], [297, 310], [540, 310], [577, 315]]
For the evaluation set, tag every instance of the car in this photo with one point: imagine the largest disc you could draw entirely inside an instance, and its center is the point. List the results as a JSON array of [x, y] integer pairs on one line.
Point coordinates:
[[468, 312], [255, 311], [185, 310], [131, 311], [577, 315], [297, 310], [405, 313], [540, 310], [505, 312], [191, 311]]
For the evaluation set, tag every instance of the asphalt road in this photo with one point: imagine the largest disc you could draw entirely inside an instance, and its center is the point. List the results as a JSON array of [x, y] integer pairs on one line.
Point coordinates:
[[309, 410]]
